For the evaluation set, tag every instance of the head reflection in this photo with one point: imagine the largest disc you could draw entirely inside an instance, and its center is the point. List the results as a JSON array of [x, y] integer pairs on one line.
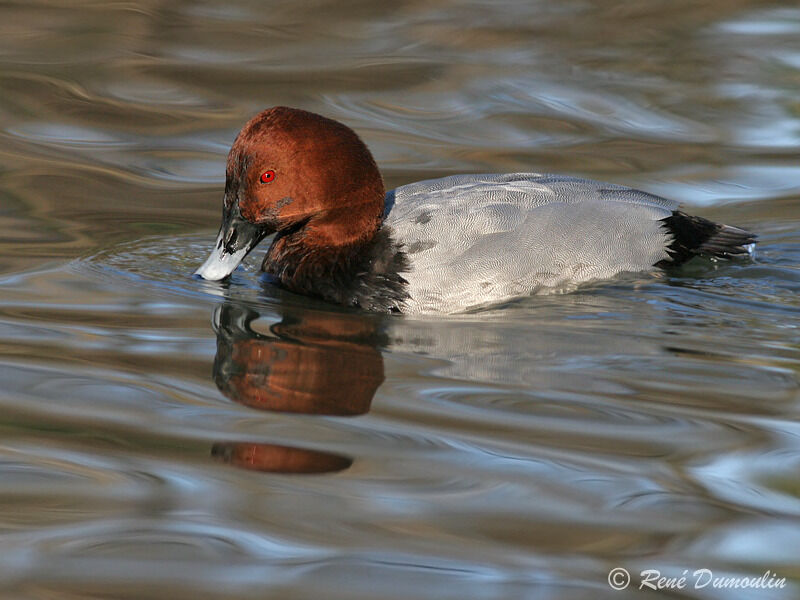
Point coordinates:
[[323, 363], [279, 459]]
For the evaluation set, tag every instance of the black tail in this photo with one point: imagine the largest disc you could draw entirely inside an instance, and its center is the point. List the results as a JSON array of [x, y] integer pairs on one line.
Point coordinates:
[[693, 236]]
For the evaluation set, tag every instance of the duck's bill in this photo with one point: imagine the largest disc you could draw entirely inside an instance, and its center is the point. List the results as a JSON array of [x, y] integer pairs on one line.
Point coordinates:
[[237, 237]]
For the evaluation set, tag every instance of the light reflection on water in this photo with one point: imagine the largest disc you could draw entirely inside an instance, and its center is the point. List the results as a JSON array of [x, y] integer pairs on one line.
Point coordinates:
[[165, 437]]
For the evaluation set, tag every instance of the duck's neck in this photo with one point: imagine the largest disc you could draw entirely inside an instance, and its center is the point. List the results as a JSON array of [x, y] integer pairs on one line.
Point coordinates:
[[340, 258]]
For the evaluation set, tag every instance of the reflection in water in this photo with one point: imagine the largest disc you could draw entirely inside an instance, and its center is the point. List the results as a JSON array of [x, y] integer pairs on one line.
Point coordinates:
[[317, 363], [515, 453], [313, 363], [279, 459]]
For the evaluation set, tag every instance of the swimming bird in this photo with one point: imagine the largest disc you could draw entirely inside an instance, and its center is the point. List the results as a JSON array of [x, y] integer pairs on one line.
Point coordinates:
[[439, 245]]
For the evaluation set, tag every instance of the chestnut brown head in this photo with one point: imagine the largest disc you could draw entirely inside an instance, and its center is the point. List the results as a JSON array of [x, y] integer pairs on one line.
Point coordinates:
[[290, 169]]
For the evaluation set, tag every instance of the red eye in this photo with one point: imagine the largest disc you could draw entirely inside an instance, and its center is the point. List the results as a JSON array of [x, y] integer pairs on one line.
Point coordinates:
[[267, 176]]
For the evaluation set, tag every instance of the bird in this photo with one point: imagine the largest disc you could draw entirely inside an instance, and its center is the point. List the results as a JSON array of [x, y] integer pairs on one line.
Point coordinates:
[[445, 245]]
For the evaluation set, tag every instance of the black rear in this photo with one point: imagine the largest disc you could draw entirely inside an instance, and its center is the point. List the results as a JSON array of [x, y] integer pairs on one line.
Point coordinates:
[[694, 236]]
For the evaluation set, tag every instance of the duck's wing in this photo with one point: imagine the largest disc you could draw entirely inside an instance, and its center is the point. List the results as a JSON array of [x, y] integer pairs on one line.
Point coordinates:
[[476, 239]]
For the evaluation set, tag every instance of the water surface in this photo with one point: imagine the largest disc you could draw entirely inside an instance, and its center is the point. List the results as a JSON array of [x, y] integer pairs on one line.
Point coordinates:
[[169, 438]]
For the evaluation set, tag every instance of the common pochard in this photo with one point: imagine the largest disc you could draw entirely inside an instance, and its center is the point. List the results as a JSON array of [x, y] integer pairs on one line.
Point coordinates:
[[440, 245]]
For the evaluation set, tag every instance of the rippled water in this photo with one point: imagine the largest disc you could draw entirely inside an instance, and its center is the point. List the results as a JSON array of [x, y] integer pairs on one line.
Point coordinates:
[[169, 438]]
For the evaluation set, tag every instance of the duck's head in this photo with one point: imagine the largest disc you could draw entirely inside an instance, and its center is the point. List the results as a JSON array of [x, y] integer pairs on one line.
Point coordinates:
[[294, 172]]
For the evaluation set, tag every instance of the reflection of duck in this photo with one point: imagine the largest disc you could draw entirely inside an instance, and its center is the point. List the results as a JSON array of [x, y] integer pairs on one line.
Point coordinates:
[[279, 459], [318, 363], [314, 363]]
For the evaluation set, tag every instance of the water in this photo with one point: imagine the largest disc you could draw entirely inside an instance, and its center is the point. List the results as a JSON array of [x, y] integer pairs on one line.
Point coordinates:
[[169, 438]]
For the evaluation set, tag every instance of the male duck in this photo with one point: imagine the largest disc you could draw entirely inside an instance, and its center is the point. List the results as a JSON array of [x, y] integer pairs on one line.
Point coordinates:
[[441, 245]]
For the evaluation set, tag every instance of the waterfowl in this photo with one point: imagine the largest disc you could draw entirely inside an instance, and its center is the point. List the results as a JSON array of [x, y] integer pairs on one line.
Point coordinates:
[[440, 245]]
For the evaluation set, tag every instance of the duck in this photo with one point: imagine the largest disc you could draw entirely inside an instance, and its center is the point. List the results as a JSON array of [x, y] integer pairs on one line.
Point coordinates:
[[445, 245]]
